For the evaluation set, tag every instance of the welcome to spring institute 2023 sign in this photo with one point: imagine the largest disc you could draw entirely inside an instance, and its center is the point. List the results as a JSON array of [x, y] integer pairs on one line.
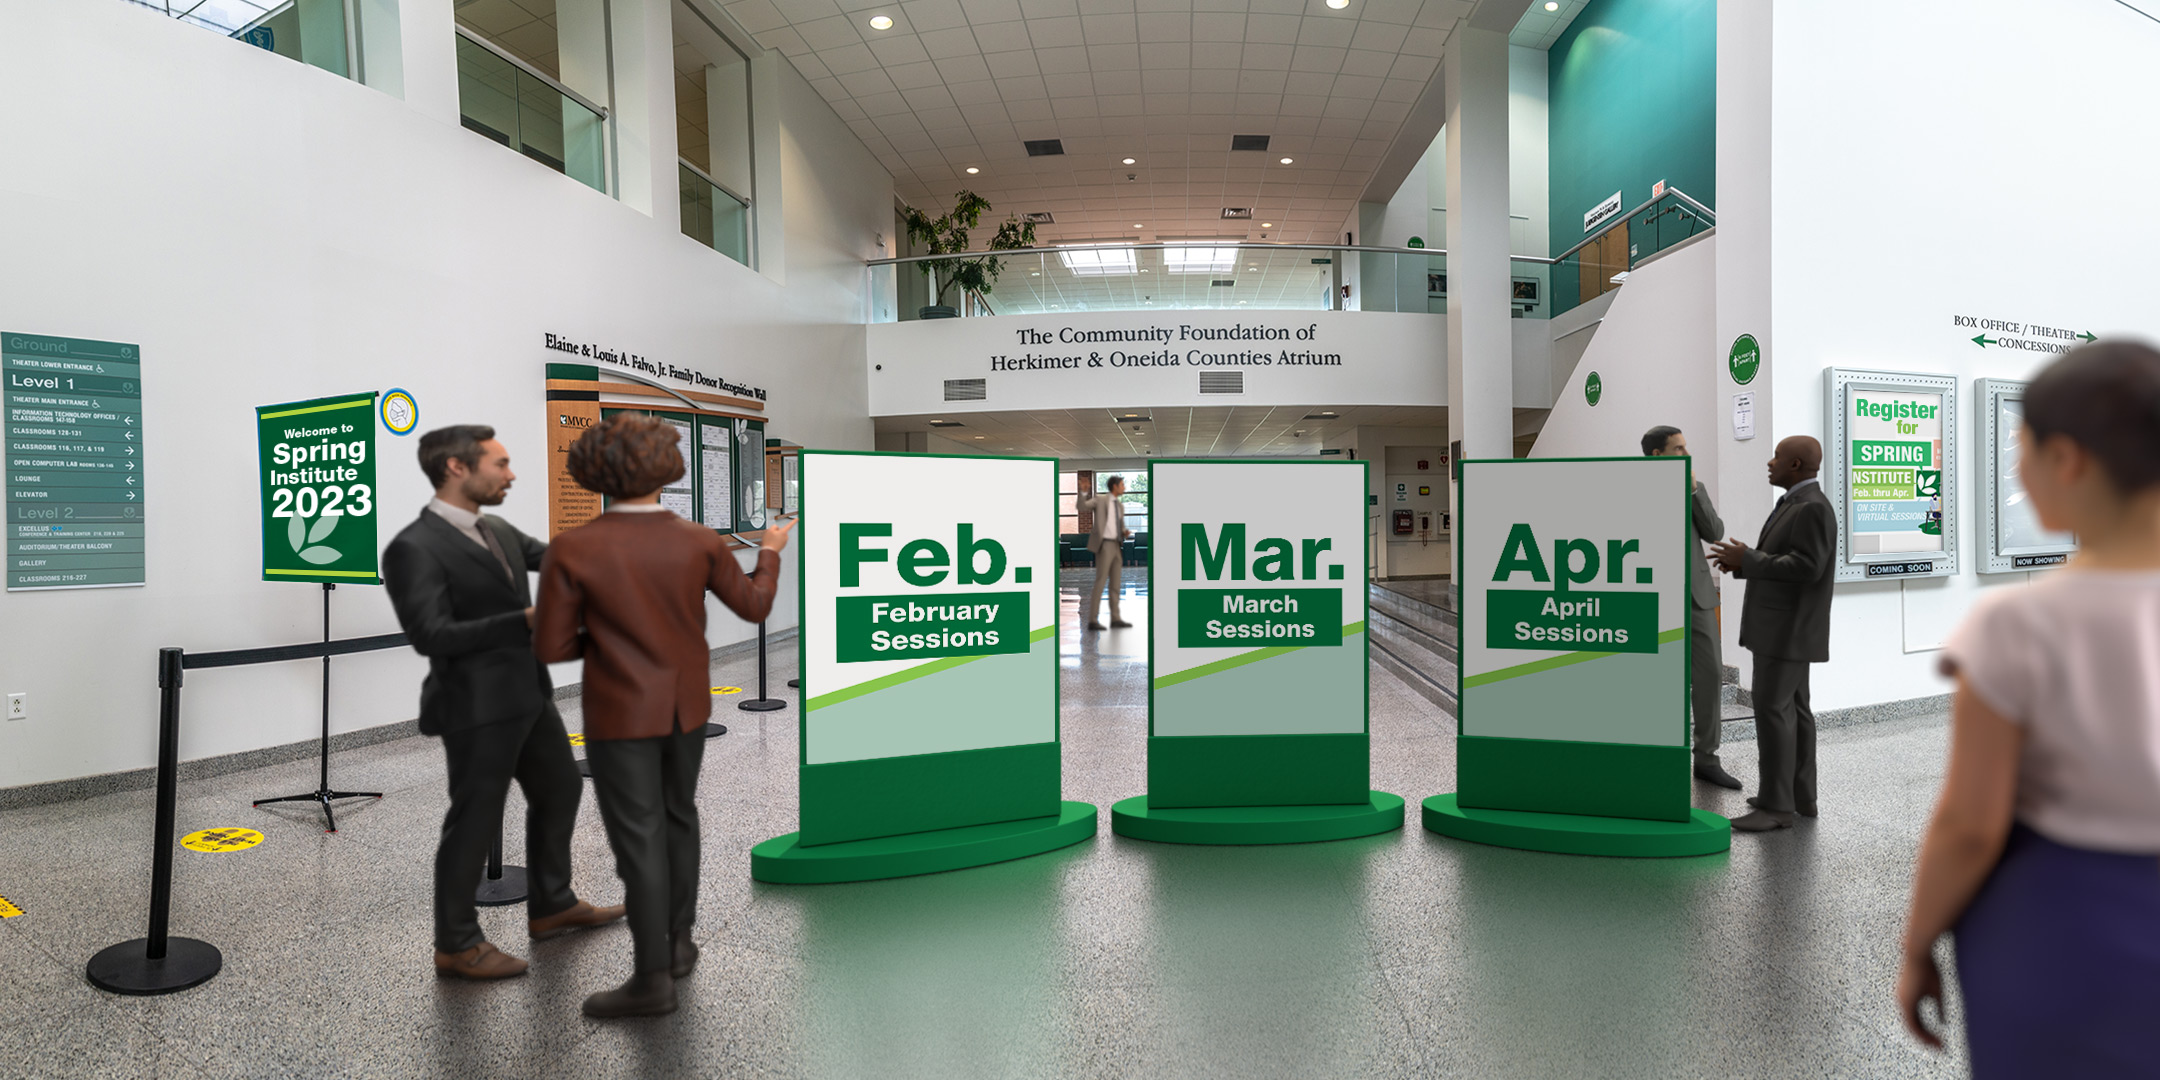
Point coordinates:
[[1257, 729], [318, 490], [1572, 712], [929, 668]]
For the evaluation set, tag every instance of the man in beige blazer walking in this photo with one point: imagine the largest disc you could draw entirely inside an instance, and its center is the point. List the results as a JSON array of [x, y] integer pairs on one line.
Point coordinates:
[[1107, 543]]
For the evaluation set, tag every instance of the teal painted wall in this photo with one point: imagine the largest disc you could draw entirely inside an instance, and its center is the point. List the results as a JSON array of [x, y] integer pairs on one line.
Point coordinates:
[[1633, 100]]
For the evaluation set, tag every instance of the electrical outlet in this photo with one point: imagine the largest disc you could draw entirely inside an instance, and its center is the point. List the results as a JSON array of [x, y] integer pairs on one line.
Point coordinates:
[[18, 706]]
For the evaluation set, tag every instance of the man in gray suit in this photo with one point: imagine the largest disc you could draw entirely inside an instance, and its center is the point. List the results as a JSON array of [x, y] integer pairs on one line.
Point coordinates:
[[1785, 623], [1706, 654], [1107, 542]]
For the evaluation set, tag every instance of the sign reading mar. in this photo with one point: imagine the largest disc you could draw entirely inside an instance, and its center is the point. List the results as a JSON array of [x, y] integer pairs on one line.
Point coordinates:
[[1262, 615], [1563, 615], [936, 621]]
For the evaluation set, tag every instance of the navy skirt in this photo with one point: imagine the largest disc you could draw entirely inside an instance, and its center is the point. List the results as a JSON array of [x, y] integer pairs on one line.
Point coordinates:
[[2059, 961]]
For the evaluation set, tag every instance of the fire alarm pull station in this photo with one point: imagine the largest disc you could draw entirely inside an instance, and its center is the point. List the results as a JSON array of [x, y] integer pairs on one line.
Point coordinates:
[[1402, 523]]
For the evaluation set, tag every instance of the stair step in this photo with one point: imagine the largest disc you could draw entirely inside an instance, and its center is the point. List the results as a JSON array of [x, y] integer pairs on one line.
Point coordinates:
[[1422, 639], [1440, 693]]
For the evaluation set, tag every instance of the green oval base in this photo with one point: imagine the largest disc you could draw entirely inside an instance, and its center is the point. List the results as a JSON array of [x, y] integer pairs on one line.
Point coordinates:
[[1256, 824], [1704, 833], [783, 860]]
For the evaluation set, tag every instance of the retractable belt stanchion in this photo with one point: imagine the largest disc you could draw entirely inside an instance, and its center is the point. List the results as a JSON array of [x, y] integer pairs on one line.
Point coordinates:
[[503, 884], [160, 963], [761, 703], [322, 794]]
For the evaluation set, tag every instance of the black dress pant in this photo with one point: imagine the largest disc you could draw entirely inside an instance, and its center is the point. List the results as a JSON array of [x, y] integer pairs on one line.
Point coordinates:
[[483, 761], [648, 801], [1784, 734]]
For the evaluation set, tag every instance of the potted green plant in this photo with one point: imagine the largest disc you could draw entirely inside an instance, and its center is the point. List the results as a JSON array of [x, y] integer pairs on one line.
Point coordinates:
[[948, 235]]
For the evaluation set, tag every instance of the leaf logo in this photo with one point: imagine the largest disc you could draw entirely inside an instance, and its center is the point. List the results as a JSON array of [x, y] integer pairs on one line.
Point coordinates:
[[301, 537]]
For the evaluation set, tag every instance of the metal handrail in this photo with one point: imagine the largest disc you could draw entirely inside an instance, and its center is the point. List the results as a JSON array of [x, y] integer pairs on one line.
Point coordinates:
[[1244, 245], [707, 177], [1622, 219], [591, 106]]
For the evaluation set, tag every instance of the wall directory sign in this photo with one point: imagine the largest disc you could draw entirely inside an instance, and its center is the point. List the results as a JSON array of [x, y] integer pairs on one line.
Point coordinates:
[[1572, 691], [1257, 657], [2012, 540], [929, 668], [1889, 466], [318, 490], [76, 461]]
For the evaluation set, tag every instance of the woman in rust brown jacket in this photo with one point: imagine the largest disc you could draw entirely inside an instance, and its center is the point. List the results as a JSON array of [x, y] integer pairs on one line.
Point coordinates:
[[626, 593]]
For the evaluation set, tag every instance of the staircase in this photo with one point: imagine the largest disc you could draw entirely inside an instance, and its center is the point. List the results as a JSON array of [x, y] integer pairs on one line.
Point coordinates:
[[1414, 638]]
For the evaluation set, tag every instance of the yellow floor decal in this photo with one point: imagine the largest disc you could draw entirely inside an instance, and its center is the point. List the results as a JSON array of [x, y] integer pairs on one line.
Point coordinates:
[[221, 840], [577, 738], [8, 910], [727, 689]]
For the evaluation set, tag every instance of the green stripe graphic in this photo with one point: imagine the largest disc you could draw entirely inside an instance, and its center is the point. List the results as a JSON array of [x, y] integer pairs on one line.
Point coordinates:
[[1535, 666], [1242, 659], [905, 675], [358, 403]]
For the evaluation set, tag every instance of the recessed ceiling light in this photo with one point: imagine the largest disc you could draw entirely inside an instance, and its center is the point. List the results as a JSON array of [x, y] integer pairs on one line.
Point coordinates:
[[1034, 273], [978, 436], [972, 170], [880, 22], [1552, 5], [1128, 161], [1286, 161], [1137, 225], [1338, 4], [1267, 224], [1253, 268]]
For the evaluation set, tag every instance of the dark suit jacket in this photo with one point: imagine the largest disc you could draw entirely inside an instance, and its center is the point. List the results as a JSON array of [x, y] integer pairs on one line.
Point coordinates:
[[1703, 524], [468, 618], [1790, 571], [626, 591]]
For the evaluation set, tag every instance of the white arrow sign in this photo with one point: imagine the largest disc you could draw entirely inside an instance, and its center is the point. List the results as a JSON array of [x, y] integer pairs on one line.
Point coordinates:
[[131, 496], [131, 480], [131, 421]]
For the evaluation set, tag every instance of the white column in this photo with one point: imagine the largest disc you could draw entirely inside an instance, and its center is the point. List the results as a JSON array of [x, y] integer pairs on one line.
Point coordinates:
[[427, 47], [1474, 76], [1743, 496], [727, 124], [769, 238]]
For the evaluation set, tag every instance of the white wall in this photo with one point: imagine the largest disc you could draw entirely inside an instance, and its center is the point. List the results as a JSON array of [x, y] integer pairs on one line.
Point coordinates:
[[268, 232], [1985, 157]]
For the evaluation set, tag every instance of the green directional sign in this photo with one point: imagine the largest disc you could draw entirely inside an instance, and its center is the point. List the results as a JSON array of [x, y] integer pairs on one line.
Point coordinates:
[[1744, 359], [75, 462], [318, 490]]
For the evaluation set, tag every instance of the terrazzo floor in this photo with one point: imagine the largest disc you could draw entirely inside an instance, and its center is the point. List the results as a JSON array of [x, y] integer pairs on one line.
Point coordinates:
[[1399, 955]]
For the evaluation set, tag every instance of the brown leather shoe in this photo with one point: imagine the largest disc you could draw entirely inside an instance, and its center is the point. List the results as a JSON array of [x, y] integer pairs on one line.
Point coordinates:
[[685, 959], [577, 916], [1762, 821], [648, 993], [482, 961], [1806, 809]]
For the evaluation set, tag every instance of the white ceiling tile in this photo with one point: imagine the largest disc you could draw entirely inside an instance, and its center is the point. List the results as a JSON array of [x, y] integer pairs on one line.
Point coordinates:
[[1417, 68], [1368, 62], [1316, 58], [1120, 104], [1055, 33], [971, 95], [1077, 84], [895, 51], [1364, 86], [1166, 56], [979, 12], [789, 43], [1048, 9], [1218, 26], [1397, 12], [1114, 57], [865, 83], [1217, 54], [1002, 37], [1303, 105], [832, 33], [830, 89], [1272, 29], [1022, 88], [961, 69], [952, 42], [1064, 61], [913, 76], [1267, 57], [1014, 65], [1109, 29], [848, 59], [1318, 83], [879, 106], [1334, 33], [756, 16], [1064, 108], [1443, 14], [1165, 26], [926, 100], [1421, 41], [1217, 103], [934, 14], [1259, 104], [1214, 81]]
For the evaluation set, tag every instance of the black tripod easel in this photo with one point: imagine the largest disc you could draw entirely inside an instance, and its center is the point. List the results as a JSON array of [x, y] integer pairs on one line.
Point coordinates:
[[323, 795]]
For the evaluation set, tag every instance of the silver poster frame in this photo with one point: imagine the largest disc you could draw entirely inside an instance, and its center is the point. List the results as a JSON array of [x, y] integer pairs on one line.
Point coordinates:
[[1838, 386], [1988, 396]]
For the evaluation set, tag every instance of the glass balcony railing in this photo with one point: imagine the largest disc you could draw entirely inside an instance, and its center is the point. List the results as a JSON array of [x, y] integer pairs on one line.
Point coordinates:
[[1186, 276], [517, 106], [310, 31], [712, 215], [1602, 261]]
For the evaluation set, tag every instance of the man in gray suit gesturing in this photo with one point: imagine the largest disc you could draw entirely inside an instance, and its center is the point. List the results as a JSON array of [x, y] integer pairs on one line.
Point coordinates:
[[1107, 542], [1785, 623], [1706, 654]]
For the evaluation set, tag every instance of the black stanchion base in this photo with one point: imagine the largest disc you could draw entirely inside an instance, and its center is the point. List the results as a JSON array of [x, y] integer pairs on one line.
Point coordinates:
[[714, 731], [505, 890], [126, 968], [762, 704], [324, 798], [584, 768]]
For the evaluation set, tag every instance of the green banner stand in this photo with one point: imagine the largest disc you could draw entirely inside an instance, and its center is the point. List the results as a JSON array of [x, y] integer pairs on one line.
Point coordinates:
[[318, 490], [929, 657], [1572, 691], [1258, 730]]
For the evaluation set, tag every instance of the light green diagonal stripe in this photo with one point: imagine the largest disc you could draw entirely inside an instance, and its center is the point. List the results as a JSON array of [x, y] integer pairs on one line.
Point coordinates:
[[1242, 659], [906, 675], [1565, 660], [360, 403]]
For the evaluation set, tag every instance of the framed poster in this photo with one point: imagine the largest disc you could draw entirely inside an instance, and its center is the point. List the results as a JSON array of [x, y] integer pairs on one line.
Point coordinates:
[[318, 490], [2011, 539], [1889, 466]]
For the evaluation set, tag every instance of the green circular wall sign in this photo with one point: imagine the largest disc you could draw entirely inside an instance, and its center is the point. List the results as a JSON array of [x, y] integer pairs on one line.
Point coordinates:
[[1416, 242], [1593, 388], [1744, 360]]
